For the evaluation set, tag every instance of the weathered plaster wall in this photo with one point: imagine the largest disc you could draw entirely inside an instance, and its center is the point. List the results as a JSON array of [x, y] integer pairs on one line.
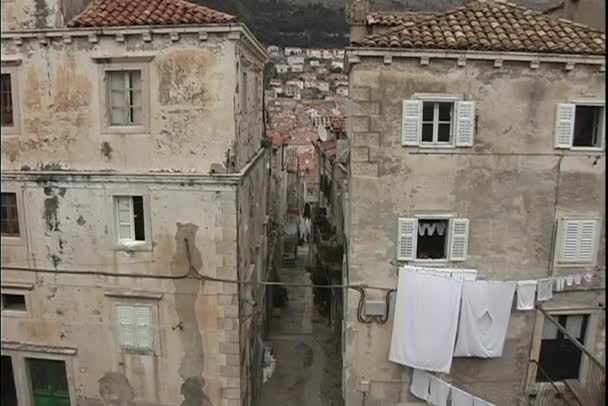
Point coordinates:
[[68, 226], [512, 185], [588, 12], [192, 115], [252, 259]]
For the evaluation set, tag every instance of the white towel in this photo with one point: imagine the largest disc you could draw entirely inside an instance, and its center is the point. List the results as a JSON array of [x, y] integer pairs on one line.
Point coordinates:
[[558, 284], [484, 318], [588, 276], [481, 402], [439, 391], [425, 321], [544, 290], [461, 398], [577, 279], [569, 280], [420, 384], [526, 290]]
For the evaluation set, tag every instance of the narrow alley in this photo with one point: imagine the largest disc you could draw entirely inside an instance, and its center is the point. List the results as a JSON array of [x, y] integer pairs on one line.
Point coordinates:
[[308, 370]]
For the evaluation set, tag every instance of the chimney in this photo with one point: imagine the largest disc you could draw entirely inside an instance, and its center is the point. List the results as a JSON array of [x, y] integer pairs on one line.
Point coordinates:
[[358, 13]]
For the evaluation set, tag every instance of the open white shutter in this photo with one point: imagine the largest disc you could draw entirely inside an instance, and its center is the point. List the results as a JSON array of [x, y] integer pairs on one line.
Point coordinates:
[[406, 239], [568, 240], [143, 327], [564, 125], [459, 239], [465, 123], [126, 326], [587, 240], [412, 122]]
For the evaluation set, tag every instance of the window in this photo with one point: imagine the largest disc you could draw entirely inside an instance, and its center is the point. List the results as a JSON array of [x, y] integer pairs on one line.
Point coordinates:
[[49, 382], [580, 125], [577, 240], [438, 121], [125, 99], [130, 221], [559, 357], [9, 215], [135, 327], [432, 238], [6, 94], [437, 118], [13, 302]]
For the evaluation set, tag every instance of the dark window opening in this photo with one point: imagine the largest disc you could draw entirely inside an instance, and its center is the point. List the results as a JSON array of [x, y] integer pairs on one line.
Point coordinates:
[[559, 357], [9, 394], [437, 122], [588, 126], [13, 302], [432, 239], [138, 218], [6, 99], [9, 218]]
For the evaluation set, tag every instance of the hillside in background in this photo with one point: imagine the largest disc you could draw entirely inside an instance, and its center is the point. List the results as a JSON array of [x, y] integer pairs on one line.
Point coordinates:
[[322, 23]]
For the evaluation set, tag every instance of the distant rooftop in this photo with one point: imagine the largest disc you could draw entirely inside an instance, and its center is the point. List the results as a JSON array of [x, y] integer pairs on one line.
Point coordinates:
[[490, 25], [112, 13]]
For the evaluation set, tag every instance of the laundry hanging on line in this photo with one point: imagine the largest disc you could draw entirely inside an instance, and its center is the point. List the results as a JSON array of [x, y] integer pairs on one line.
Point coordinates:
[[437, 392], [526, 292]]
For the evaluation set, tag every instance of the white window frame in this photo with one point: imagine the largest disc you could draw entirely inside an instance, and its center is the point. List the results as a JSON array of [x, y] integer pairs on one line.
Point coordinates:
[[436, 122], [559, 238], [149, 301], [9, 67], [123, 244], [447, 217], [16, 289], [532, 386], [591, 102], [106, 125], [23, 384], [21, 238]]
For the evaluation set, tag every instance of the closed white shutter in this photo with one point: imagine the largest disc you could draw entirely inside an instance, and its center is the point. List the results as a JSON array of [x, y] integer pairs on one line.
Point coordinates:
[[412, 122], [459, 239], [578, 240], [143, 327], [465, 123], [406, 239], [126, 327], [564, 125]]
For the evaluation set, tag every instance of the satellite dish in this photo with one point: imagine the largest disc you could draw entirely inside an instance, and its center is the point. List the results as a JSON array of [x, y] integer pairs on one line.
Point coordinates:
[[322, 132]]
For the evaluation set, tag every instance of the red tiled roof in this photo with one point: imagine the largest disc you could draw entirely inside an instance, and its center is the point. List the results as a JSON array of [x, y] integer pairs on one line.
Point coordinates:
[[492, 25], [112, 13], [397, 18]]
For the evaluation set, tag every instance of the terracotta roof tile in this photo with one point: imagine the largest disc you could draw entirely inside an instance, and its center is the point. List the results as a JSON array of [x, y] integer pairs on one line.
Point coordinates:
[[112, 13], [492, 25]]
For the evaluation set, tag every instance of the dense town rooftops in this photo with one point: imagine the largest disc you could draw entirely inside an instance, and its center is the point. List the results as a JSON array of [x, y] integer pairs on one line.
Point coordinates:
[[114, 13], [492, 25]]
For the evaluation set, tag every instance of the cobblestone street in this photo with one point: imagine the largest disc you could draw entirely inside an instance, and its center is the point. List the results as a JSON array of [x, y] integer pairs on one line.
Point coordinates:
[[308, 367]]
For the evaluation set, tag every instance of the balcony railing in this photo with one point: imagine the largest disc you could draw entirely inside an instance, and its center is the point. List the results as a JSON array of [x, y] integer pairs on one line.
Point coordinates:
[[588, 390]]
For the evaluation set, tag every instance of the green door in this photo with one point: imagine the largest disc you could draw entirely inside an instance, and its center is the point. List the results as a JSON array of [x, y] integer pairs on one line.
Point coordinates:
[[49, 382]]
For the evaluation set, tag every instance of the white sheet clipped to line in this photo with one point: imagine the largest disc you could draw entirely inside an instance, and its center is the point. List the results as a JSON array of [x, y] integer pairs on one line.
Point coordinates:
[[544, 291], [421, 381], [526, 292], [461, 398], [484, 318], [439, 391], [481, 402], [425, 321], [464, 274]]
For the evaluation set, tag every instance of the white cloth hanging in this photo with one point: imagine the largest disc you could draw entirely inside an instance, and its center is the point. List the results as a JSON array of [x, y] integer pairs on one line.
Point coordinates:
[[464, 274], [569, 280], [481, 402], [588, 276], [439, 391], [526, 291], [484, 318], [421, 381], [558, 284], [577, 279], [425, 321], [461, 398], [544, 291]]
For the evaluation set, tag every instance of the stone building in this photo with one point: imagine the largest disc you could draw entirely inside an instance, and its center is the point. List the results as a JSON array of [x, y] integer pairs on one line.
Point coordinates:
[[490, 118], [133, 170]]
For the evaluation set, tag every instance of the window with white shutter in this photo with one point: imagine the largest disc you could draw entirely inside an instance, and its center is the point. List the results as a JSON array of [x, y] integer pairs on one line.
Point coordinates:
[[438, 120], [135, 330], [577, 241], [125, 97], [432, 239], [580, 125], [129, 217]]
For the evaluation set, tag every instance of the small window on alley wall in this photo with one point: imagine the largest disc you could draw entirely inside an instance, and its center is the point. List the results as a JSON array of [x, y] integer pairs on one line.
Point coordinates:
[[130, 222], [125, 97], [432, 239], [437, 122], [588, 126], [13, 302], [9, 216], [6, 93]]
